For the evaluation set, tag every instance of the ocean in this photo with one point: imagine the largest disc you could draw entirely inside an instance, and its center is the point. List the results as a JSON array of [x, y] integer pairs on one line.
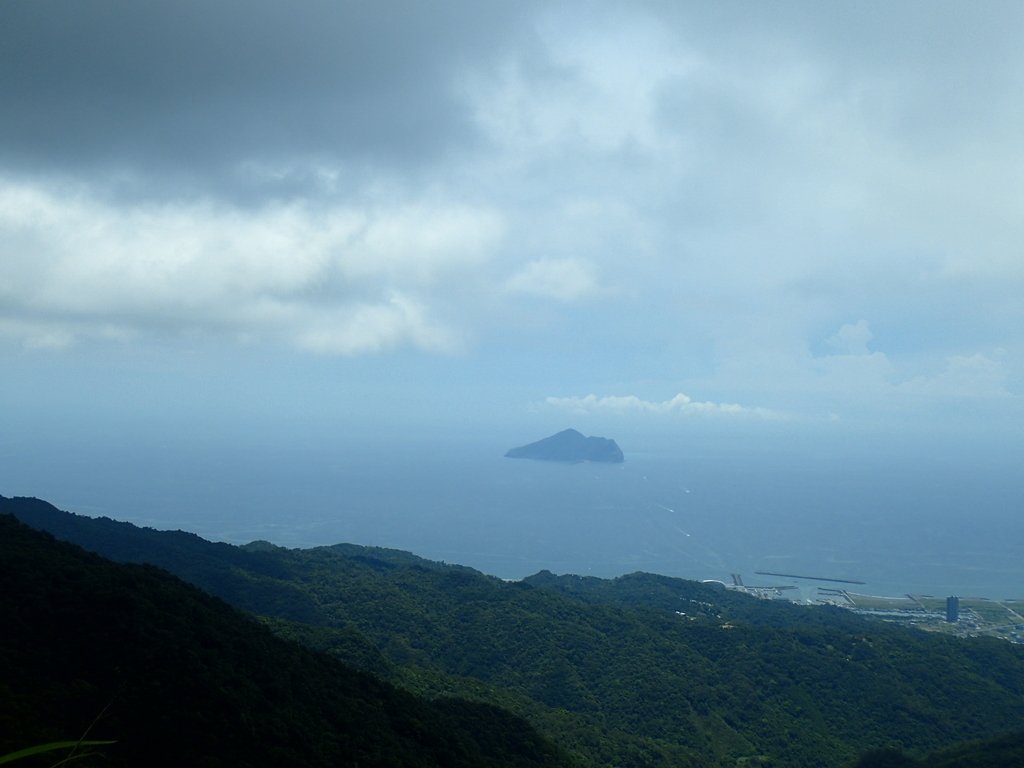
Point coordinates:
[[901, 525]]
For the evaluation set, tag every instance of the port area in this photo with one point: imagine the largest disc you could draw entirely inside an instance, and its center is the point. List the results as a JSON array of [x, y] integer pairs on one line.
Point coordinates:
[[977, 616]]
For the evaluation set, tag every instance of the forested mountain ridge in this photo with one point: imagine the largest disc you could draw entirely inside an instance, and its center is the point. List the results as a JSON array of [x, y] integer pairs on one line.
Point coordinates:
[[177, 677], [641, 670], [1000, 752]]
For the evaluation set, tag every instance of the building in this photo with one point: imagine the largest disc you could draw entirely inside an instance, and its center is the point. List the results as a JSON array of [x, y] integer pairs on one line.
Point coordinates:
[[952, 609]]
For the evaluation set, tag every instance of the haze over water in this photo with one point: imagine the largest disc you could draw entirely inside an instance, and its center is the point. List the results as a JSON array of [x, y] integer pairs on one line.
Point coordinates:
[[900, 524]]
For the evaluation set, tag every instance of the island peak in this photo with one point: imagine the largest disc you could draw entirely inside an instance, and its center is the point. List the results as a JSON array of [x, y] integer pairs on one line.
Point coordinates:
[[569, 445]]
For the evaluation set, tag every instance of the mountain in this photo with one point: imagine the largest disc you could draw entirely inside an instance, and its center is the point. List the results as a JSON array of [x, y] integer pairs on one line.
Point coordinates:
[[1000, 752], [642, 670], [176, 677], [572, 446]]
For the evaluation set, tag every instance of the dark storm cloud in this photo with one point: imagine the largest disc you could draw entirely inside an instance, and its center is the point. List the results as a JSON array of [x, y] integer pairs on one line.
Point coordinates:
[[194, 87]]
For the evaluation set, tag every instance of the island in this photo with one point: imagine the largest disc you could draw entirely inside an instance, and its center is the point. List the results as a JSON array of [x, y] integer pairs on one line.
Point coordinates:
[[570, 446]]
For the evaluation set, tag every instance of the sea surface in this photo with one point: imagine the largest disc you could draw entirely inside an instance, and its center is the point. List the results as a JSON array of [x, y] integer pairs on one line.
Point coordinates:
[[938, 527]]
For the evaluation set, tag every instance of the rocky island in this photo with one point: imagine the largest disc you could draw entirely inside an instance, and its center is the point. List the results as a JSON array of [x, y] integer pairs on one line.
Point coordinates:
[[571, 446]]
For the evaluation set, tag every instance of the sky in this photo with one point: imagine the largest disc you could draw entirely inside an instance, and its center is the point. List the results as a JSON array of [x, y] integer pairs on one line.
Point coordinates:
[[234, 220]]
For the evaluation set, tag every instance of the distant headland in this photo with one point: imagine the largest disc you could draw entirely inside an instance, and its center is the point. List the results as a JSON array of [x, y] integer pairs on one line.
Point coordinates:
[[571, 446]]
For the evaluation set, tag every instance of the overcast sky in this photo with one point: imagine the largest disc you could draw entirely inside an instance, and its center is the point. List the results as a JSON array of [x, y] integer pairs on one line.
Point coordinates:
[[483, 213]]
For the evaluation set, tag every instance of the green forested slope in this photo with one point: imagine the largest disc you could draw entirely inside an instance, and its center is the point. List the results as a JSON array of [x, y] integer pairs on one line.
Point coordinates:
[[642, 670], [1001, 752], [178, 677]]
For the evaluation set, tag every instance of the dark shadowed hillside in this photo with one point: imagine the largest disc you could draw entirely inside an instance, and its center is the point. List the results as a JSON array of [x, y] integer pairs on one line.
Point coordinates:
[[177, 677]]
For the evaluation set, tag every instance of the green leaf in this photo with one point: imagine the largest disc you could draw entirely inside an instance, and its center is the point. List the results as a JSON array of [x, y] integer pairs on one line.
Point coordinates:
[[52, 746]]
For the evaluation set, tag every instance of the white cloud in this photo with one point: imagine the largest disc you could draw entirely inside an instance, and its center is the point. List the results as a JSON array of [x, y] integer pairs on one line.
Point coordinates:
[[561, 279], [679, 404], [37, 335], [421, 241], [339, 279], [375, 327], [963, 376], [852, 339], [856, 375], [600, 90]]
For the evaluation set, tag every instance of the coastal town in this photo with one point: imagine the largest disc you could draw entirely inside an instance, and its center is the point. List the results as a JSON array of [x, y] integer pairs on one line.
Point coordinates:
[[952, 615]]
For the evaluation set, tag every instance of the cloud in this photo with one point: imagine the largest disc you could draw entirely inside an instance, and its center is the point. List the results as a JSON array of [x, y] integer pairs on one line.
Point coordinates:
[[974, 376], [338, 279], [561, 279], [375, 327], [852, 339], [598, 90], [339, 80], [855, 368], [358, 178], [681, 403]]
